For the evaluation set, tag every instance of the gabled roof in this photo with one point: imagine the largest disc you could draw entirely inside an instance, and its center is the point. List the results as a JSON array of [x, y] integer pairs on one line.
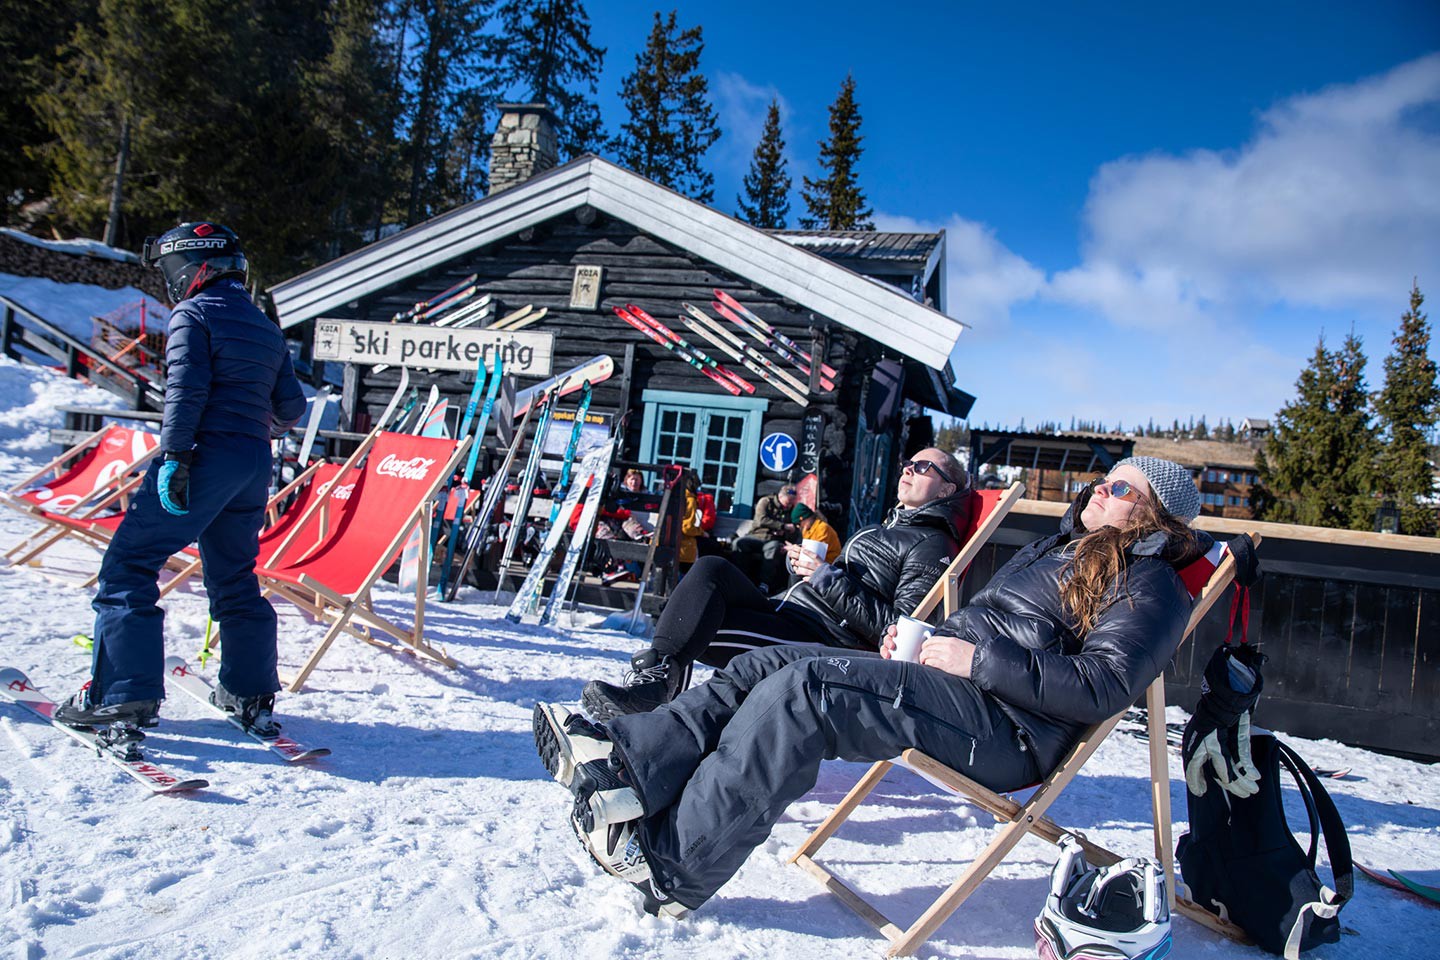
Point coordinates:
[[871, 309], [865, 244]]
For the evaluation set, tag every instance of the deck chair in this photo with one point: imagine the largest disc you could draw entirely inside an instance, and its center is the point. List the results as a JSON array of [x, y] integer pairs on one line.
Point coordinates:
[[304, 487], [1018, 818], [329, 561], [90, 471], [988, 511]]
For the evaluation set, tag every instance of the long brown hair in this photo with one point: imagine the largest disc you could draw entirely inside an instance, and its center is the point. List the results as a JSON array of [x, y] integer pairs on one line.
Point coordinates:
[[1094, 576]]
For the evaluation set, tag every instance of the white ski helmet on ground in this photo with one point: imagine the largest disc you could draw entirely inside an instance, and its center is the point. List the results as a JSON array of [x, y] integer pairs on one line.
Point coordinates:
[[1119, 912]]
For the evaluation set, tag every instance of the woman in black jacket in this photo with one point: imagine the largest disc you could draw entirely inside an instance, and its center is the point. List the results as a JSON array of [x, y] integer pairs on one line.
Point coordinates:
[[884, 571], [1067, 633]]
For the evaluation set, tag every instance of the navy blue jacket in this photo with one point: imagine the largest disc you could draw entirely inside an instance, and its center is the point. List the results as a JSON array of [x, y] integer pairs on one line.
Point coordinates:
[[1030, 657], [228, 370]]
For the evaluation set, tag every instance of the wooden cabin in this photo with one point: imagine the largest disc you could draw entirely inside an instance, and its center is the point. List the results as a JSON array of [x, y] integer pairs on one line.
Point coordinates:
[[583, 238]]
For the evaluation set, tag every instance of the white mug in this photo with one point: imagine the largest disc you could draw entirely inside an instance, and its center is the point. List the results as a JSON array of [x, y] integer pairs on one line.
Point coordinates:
[[910, 635]]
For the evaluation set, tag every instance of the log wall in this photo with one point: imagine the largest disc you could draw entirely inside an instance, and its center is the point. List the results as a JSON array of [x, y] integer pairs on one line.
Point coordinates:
[[537, 267]]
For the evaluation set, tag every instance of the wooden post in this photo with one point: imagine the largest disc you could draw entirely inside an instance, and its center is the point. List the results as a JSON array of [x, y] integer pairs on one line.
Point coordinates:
[[349, 396], [7, 331]]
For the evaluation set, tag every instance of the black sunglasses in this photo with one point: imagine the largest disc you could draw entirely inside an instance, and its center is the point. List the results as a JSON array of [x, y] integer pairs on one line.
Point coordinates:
[[922, 467]]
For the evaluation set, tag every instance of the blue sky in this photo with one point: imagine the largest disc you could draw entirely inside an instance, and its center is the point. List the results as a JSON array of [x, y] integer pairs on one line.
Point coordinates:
[[1151, 211]]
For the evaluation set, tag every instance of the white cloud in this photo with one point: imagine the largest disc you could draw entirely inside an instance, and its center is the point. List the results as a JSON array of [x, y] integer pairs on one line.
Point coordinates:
[[1333, 203], [741, 107], [983, 277]]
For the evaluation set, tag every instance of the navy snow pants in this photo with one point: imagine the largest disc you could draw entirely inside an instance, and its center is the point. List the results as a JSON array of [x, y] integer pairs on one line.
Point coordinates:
[[229, 480], [717, 767]]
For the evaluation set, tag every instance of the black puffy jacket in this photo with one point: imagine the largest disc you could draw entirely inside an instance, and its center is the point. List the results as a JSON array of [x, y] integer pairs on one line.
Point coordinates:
[[883, 571], [227, 370], [1028, 657]]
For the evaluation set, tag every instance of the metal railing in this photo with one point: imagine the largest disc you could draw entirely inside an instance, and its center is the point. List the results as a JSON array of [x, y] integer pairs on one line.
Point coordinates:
[[21, 327]]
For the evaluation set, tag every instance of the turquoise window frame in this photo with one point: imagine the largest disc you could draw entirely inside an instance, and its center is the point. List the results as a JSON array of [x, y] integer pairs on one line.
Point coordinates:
[[754, 410]]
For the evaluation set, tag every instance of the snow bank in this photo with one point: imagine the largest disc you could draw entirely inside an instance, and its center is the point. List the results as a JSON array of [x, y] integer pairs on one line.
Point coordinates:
[[28, 400], [70, 306], [433, 831], [79, 245]]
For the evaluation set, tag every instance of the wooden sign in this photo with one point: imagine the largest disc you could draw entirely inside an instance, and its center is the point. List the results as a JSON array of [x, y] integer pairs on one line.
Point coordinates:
[[524, 354], [585, 290]]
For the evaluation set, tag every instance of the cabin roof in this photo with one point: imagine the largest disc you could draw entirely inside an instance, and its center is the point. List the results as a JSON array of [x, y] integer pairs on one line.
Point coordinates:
[[778, 263]]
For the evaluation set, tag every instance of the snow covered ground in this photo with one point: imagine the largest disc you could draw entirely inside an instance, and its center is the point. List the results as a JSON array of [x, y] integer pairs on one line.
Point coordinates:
[[433, 831]]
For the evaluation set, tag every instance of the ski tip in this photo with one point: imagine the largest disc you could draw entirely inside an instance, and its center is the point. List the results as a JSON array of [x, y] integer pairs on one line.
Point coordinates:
[[184, 786]]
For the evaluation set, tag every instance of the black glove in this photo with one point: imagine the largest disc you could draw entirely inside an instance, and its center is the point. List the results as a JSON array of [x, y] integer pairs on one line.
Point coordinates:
[[1219, 731], [174, 482], [1247, 565]]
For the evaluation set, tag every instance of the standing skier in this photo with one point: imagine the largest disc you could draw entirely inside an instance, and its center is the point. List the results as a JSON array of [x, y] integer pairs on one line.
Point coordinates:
[[229, 389]]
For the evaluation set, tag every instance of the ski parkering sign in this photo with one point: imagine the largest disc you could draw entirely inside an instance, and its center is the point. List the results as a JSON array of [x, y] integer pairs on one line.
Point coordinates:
[[525, 354]]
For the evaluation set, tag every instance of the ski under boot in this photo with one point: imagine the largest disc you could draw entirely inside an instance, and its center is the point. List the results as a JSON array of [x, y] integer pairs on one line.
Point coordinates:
[[257, 713]]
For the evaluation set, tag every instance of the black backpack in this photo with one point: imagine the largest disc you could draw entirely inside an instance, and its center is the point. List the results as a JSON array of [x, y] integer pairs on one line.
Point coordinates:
[[1241, 861]]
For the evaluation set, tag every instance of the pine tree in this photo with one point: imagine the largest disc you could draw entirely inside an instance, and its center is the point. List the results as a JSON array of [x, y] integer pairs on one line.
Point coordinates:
[[543, 54], [447, 111], [835, 201], [1318, 468], [671, 123], [1202, 430], [1408, 408], [766, 202]]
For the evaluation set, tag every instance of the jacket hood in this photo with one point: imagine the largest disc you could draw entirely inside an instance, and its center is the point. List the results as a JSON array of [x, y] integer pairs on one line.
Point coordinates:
[[947, 513], [1176, 551]]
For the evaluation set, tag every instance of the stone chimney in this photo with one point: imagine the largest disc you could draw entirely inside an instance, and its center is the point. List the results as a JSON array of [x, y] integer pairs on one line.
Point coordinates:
[[524, 144]]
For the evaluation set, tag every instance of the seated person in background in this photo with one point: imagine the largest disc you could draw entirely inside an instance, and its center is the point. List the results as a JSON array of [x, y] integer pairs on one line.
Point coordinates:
[[1066, 634], [815, 527], [692, 524], [884, 571], [761, 551]]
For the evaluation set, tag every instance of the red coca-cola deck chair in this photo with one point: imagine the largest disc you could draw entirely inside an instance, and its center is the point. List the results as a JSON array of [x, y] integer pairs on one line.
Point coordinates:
[[1207, 580], [314, 479], [91, 480], [330, 559]]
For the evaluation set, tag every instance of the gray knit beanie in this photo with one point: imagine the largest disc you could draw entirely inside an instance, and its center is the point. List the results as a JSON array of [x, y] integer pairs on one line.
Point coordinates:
[[1173, 485]]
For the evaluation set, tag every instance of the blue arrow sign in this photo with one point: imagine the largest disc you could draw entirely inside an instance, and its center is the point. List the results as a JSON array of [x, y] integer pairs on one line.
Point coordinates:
[[778, 452]]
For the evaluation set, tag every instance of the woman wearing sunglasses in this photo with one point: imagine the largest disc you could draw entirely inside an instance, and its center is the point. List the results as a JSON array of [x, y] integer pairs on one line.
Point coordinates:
[[716, 613], [1066, 634]]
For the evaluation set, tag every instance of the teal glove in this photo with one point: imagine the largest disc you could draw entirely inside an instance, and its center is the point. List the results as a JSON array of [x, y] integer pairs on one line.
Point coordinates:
[[175, 484]]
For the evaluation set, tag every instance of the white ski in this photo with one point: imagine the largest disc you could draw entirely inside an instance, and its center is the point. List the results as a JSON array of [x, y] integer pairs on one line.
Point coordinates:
[[318, 404], [597, 369], [179, 674], [527, 598], [580, 539], [16, 687]]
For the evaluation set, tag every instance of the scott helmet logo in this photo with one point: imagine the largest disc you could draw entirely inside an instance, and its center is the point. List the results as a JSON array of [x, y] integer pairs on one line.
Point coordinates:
[[193, 243]]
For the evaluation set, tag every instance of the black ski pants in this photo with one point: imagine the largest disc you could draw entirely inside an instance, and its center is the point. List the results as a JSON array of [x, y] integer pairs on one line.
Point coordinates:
[[716, 767], [716, 614]]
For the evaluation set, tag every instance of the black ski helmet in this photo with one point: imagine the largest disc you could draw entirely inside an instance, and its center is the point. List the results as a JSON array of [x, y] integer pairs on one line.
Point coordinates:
[[194, 255]]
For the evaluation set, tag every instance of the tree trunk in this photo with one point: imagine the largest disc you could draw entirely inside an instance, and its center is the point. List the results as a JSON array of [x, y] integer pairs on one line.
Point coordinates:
[[117, 192]]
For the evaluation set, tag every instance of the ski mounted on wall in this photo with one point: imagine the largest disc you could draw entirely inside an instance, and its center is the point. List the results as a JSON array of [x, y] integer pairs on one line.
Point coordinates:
[[684, 355]]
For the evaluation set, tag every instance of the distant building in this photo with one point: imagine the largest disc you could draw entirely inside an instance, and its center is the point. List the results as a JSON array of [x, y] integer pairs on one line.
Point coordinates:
[[1252, 429], [1224, 472], [1057, 466]]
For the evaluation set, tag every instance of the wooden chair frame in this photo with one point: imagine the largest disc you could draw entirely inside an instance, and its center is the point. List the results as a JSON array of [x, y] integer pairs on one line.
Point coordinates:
[[1019, 819], [54, 530], [346, 611]]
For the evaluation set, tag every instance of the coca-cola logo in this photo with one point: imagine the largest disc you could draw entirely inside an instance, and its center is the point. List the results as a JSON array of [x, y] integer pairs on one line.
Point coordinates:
[[342, 493], [114, 443], [413, 469]]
